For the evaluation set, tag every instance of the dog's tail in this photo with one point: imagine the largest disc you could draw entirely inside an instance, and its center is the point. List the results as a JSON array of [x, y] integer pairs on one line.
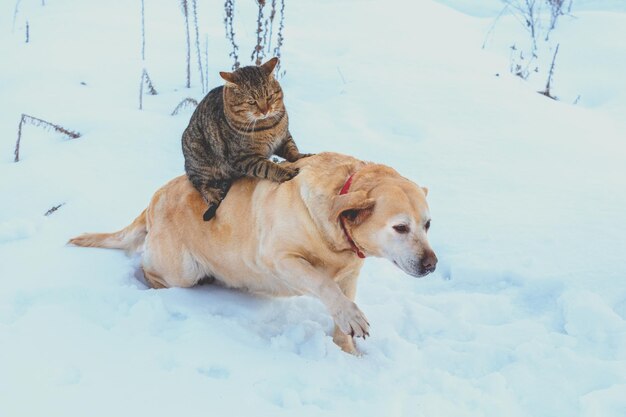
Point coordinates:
[[129, 238]]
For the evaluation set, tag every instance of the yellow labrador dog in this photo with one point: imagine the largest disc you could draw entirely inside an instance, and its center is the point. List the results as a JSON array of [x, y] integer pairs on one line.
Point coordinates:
[[305, 236]]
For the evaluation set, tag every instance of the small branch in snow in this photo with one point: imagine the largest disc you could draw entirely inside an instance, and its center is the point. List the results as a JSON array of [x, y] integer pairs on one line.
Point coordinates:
[[184, 5], [257, 52], [341, 75], [145, 80], [194, 5], [493, 24], [27, 32], [229, 9], [271, 26], [15, 12], [206, 62], [35, 121], [546, 92], [188, 102], [143, 32], [280, 39], [53, 209]]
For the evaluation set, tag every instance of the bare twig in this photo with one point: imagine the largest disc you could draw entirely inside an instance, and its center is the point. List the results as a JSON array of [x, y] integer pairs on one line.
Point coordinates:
[[493, 24], [194, 5], [528, 13], [257, 55], [145, 79], [229, 8], [547, 92], [556, 10], [15, 12], [151, 90], [271, 20], [35, 121], [185, 8], [143, 32], [206, 62], [27, 32], [53, 209], [279, 38], [188, 102], [343, 80]]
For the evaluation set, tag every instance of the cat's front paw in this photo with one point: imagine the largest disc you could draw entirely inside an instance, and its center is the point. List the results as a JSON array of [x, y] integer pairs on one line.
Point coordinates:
[[304, 155], [287, 174]]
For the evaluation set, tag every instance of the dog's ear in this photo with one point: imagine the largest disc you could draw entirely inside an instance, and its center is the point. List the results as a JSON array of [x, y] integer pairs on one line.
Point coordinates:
[[354, 206], [425, 189]]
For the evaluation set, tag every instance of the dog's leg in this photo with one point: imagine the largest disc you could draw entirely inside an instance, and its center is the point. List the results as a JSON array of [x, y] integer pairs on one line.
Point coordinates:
[[344, 341], [301, 276], [154, 280]]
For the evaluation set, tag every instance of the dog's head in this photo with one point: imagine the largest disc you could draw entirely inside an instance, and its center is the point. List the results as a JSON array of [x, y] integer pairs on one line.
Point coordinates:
[[387, 216]]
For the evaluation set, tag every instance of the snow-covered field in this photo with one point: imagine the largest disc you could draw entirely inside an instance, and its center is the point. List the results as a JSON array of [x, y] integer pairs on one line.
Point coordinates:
[[525, 315]]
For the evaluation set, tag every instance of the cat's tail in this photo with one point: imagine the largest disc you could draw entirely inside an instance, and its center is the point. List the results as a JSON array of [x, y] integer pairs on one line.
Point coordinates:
[[130, 238]]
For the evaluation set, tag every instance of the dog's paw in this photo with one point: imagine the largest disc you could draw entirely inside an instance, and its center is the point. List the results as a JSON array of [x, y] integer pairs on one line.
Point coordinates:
[[351, 321]]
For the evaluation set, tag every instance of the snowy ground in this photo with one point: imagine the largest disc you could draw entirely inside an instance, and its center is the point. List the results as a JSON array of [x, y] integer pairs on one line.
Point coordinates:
[[525, 315]]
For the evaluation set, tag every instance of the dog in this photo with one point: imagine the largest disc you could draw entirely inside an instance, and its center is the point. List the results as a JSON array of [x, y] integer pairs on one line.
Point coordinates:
[[307, 236]]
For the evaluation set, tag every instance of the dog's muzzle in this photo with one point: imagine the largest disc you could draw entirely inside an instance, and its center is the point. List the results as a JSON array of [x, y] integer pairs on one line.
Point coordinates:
[[419, 267]]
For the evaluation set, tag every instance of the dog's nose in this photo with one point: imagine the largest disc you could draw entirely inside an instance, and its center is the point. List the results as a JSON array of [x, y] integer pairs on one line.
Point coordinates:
[[429, 263]]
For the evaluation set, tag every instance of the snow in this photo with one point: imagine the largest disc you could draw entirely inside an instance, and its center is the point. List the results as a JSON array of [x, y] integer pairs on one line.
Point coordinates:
[[525, 315]]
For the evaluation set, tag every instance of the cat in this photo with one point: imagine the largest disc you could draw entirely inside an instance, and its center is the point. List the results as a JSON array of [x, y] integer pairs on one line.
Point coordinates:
[[233, 132]]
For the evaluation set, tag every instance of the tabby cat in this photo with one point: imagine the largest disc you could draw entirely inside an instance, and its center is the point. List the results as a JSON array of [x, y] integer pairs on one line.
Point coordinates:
[[233, 132]]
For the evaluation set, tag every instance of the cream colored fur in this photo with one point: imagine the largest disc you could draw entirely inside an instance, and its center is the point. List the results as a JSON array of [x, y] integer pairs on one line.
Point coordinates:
[[283, 239]]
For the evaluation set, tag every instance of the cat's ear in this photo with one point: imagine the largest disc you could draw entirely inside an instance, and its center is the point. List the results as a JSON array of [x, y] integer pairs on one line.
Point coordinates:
[[229, 77], [268, 67]]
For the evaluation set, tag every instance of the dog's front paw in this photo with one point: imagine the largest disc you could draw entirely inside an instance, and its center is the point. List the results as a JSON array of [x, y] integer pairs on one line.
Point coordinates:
[[351, 321]]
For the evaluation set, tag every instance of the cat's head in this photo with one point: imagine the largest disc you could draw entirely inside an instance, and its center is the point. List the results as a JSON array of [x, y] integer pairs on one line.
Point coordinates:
[[253, 93]]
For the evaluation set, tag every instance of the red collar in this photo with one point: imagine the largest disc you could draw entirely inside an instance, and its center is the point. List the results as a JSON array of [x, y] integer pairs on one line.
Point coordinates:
[[344, 190]]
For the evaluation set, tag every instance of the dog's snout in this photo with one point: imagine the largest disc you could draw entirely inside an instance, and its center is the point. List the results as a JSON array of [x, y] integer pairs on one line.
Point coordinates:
[[429, 262]]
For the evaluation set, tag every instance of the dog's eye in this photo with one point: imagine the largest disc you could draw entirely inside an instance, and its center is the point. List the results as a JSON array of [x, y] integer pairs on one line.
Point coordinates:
[[427, 225], [401, 228]]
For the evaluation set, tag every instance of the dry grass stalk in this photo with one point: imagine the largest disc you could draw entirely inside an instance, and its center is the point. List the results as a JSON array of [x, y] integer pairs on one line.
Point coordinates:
[[185, 8], [186, 103], [257, 52], [143, 32], [229, 8], [15, 12], [547, 92], [53, 209], [145, 80], [194, 4], [206, 62], [279, 38], [27, 32], [271, 26], [35, 121]]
